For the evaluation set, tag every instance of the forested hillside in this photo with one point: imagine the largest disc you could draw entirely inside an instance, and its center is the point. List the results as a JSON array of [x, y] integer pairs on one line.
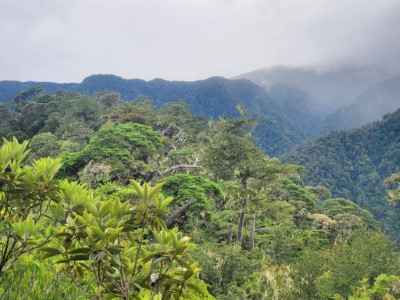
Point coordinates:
[[369, 106], [279, 130], [340, 97], [87, 212], [298, 108], [212, 97], [330, 88], [287, 115], [354, 164]]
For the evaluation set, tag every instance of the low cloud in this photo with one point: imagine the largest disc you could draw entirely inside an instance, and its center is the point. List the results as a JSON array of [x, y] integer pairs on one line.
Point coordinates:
[[189, 40]]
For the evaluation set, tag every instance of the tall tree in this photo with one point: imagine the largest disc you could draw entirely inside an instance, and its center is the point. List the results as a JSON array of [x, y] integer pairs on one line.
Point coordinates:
[[232, 155]]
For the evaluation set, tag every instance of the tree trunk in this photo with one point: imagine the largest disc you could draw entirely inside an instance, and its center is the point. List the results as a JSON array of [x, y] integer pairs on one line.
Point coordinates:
[[230, 234], [252, 231], [172, 217], [241, 221]]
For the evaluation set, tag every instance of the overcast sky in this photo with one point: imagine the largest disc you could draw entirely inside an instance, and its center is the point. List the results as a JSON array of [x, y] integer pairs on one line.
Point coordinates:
[[67, 40]]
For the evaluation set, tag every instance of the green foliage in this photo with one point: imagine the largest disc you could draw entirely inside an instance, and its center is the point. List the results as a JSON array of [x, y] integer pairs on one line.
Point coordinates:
[[208, 198], [363, 255], [386, 287], [108, 145], [260, 233], [308, 268], [102, 246], [353, 164], [143, 138], [185, 187], [33, 278], [118, 146], [271, 282], [394, 194], [225, 268], [282, 126], [180, 156], [141, 110], [44, 145], [26, 192], [266, 185], [339, 208], [68, 116], [107, 251], [232, 148], [320, 191]]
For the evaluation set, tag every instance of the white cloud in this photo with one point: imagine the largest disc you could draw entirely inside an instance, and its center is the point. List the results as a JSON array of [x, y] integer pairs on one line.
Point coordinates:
[[62, 40]]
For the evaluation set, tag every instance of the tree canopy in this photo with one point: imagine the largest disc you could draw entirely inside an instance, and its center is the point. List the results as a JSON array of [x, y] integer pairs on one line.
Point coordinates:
[[116, 200]]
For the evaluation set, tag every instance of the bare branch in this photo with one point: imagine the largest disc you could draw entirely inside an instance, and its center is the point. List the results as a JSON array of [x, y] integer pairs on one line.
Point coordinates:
[[172, 217], [177, 167]]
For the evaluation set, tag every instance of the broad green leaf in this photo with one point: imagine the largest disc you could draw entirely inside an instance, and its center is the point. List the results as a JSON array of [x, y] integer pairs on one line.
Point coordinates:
[[50, 250], [79, 257], [155, 189], [80, 250], [197, 288], [116, 259], [137, 187], [166, 202], [66, 234]]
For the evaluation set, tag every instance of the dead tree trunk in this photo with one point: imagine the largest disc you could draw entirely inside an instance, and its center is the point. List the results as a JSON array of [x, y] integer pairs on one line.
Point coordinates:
[[172, 217], [241, 221], [230, 234], [252, 231]]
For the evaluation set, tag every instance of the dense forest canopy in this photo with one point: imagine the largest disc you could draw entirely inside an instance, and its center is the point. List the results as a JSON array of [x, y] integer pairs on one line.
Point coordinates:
[[292, 105], [354, 164], [103, 203], [279, 129]]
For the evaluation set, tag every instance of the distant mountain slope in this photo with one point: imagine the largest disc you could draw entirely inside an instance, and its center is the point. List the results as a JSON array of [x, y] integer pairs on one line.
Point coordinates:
[[339, 98], [278, 130], [8, 88], [212, 97], [331, 88], [370, 105], [354, 163], [299, 107]]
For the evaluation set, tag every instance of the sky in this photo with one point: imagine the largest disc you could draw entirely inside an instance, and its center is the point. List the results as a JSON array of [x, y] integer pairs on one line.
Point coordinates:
[[68, 40]]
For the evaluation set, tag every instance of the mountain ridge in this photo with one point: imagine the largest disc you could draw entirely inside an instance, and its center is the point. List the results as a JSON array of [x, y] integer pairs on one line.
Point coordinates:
[[212, 97], [288, 115]]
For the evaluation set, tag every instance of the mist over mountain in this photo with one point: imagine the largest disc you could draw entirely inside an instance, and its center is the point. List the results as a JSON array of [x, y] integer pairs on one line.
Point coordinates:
[[299, 107], [331, 88], [370, 105], [334, 98]]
